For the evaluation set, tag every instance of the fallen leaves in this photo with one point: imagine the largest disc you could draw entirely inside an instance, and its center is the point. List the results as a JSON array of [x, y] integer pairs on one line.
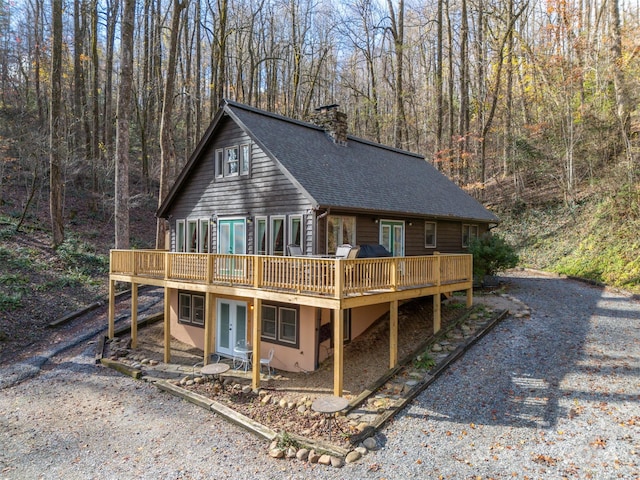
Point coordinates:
[[599, 442], [545, 460]]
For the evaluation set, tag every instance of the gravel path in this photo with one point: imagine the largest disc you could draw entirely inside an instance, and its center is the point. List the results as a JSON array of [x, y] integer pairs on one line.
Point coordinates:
[[551, 396]]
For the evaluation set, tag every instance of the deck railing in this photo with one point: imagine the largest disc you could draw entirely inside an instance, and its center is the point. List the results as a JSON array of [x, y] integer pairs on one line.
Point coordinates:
[[309, 275]]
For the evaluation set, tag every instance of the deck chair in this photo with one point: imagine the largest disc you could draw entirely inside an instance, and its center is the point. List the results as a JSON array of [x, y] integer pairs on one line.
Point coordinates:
[[267, 361], [294, 250], [343, 250]]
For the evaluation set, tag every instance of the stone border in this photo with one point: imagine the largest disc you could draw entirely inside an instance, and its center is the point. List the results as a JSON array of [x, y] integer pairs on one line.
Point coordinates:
[[319, 451]]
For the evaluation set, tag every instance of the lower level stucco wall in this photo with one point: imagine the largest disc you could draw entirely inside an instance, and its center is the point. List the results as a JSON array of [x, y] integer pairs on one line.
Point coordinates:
[[185, 333]]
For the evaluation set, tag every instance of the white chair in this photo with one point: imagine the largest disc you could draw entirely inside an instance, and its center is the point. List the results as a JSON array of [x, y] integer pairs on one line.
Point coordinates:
[[267, 361], [242, 355], [343, 250]]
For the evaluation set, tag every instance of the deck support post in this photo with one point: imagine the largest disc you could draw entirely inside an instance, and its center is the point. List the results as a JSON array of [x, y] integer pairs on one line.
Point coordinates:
[[256, 335], [134, 315], [167, 325], [338, 351], [437, 308], [393, 333], [112, 309], [437, 298], [209, 326], [469, 297]]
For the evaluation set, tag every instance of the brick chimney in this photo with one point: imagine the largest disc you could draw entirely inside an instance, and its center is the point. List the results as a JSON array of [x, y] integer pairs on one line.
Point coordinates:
[[333, 121]]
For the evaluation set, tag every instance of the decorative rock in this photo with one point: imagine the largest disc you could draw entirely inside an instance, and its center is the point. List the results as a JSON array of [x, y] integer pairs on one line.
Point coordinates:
[[302, 409], [246, 390], [370, 443], [266, 399], [324, 460], [262, 393], [274, 444], [199, 380], [313, 457], [361, 450], [189, 383], [353, 456], [291, 405], [411, 383], [153, 363], [361, 426], [276, 453], [336, 462], [291, 452], [283, 403], [302, 454], [436, 347]]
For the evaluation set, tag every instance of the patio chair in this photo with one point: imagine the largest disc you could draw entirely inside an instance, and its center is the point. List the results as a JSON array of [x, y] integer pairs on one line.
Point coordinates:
[[343, 250], [213, 358], [294, 250], [267, 361], [242, 355]]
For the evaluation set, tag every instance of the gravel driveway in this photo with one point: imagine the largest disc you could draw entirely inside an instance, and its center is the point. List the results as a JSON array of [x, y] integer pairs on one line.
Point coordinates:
[[551, 396]]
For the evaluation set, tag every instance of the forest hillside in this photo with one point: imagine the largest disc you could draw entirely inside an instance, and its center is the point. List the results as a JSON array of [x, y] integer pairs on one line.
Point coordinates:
[[530, 106]]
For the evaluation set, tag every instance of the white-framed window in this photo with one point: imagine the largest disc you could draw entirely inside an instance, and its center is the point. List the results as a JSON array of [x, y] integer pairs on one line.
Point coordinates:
[[180, 236], [277, 236], [270, 322], [192, 235], [191, 309], [191, 240], [261, 236], [219, 162], [231, 161], [280, 324], [245, 159], [430, 230], [469, 233], [294, 236], [203, 237], [340, 230]]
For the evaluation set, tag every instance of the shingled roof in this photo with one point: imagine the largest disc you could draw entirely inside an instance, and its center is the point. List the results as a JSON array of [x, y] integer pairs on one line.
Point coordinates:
[[360, 175]]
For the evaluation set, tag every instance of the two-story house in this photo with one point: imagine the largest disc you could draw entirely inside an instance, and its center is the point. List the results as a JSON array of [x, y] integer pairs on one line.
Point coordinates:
[[257, 216]]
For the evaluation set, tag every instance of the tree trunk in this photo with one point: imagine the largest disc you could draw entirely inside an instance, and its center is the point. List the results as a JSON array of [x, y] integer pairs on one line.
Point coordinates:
[[167, 148], [56, 134], [122, 127]]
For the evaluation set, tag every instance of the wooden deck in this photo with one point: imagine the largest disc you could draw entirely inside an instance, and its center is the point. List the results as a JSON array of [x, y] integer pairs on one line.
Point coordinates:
[[268, 277], [333, 283]]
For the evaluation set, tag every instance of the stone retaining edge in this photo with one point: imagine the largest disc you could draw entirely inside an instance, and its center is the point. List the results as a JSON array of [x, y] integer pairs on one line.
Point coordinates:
[[440, 369]]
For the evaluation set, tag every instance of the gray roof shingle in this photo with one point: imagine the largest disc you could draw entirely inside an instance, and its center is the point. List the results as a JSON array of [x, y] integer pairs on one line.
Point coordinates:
[[361, 175]]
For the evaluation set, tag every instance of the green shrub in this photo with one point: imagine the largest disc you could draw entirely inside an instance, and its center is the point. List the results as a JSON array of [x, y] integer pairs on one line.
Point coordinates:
[[492, 254]]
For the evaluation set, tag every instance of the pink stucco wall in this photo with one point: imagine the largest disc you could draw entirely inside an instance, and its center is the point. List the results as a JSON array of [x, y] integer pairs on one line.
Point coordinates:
[[286, 358]]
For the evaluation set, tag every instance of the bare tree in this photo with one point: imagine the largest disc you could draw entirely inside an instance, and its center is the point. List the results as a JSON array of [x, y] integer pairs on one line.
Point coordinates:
[[167, 147], [122, 126], [56, 133]]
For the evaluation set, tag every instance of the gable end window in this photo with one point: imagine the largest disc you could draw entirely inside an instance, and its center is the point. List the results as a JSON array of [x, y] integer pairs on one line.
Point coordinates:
[[245, 159], [191, 309], [280, 324], [430, 234], [219, 163], [231, 161], [469, 233]]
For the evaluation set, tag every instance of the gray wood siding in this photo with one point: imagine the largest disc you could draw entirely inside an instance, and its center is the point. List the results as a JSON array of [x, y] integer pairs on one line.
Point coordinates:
[[448, 234], [266, 191]]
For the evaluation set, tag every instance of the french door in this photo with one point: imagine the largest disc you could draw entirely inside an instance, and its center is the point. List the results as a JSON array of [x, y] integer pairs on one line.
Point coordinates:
[[232, 325], [392, 237], [232, 240]]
